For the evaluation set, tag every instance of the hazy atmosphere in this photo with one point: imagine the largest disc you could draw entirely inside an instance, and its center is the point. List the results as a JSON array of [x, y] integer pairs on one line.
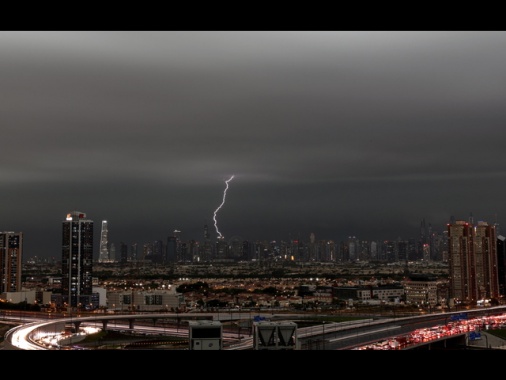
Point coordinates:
[[335, 133]]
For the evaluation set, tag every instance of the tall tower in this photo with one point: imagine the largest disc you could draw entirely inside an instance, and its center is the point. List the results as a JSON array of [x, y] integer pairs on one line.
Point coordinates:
[[112, 253], [485, 260], [206, 250], [313, 252], [422, 242], [473, 263], [460, 260], [77, 259], [11, 252], [501, 263], [104, 246], [123, 249], [173, 251], [133, 252]]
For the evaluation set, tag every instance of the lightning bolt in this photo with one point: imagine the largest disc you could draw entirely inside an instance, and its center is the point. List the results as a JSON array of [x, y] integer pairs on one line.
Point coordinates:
[[222, 203]]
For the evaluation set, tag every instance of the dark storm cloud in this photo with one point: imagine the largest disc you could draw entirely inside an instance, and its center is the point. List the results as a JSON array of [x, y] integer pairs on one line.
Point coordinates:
[[337, 133]]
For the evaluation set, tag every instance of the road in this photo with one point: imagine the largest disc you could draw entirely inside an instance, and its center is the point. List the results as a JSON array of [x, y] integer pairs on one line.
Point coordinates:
[[326, 336]]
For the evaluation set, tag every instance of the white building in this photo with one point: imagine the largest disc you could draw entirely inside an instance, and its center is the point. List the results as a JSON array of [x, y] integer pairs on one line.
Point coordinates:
[[17, 297], [102, 295]]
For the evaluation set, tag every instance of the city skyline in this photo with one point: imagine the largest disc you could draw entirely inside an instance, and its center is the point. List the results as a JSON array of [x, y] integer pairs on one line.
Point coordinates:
[[336, 133], [104, 250]]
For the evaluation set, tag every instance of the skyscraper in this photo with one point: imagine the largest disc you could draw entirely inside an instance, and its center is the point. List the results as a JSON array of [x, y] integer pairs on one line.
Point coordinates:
[[206, 232], [158, 252], [112, 253], [77, 259], [472, 259], [206, 250], [501, 263], [133, 252], [171, 251], [123, 249], [104, 245], [11, 252], [485, 259]]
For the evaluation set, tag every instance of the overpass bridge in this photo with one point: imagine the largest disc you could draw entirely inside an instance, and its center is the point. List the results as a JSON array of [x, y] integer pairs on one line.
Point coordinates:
[[27, 334], [151, 319], [455, 331], [458, 341]]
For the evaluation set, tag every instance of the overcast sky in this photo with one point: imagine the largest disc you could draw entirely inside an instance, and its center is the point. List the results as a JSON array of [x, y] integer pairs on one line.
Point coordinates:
[[335, 133]]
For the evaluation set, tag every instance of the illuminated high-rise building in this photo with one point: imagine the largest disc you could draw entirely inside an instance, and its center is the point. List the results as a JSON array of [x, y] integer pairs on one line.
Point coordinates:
[[11, 252], [206, 249], [104, 245], [112, 252], [485, 261], [221, 249], [77, 259], [473, 263]]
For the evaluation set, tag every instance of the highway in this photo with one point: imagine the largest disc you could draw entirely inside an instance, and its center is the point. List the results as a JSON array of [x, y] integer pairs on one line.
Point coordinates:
[[329, 336], [326, 336]]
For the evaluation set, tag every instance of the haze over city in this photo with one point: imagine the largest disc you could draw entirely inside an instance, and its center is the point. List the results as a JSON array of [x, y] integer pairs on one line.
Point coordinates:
[[335, 133]]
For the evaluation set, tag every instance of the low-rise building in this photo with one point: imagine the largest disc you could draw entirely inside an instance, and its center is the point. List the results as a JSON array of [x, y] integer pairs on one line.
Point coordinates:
[[144, 300], [423, 290], [28, 296]]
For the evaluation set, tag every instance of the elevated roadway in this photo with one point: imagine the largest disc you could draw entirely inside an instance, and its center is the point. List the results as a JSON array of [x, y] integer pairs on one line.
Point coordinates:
[[327, 336]]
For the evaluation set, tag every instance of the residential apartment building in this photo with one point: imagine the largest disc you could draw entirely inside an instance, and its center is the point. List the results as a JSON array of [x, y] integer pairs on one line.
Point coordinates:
[[473, 263], [11, 252], [77, 259]]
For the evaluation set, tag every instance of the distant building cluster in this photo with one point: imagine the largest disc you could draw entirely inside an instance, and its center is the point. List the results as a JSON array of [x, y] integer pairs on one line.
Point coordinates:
[[430, 245], [475, 255]]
